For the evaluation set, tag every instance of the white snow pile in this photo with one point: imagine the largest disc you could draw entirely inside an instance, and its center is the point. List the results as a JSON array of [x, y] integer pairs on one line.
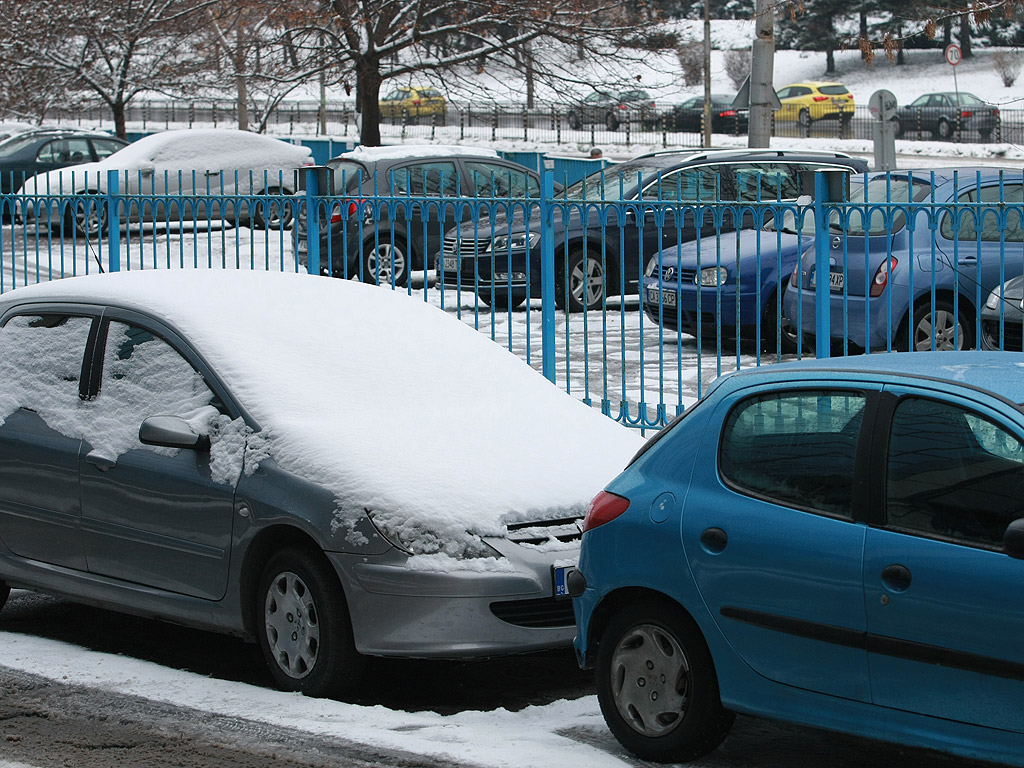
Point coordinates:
[[388, 402], [190, 151]]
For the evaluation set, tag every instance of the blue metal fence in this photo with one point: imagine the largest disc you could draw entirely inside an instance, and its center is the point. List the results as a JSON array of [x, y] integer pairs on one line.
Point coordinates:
[[632, 304]]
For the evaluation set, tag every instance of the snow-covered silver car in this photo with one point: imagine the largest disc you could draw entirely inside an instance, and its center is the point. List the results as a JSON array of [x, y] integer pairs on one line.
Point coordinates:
[[198, 446]]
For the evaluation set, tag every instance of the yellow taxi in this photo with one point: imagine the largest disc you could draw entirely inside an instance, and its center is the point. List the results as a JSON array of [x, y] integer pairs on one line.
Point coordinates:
[[815, 100], [413, 102]]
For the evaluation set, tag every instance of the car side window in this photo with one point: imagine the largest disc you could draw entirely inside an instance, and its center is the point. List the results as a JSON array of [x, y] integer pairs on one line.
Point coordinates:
[[105, 148], [64, 151], [785, 93], [952, 473], [145, 376], [797, 449], [992, 229], [434, 179], [776, 181], [689, 184], [41, 362], [493, 180]]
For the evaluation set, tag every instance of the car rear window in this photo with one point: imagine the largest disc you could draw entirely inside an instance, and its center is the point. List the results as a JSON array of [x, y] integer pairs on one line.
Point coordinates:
[[881, 191], [834, 90]]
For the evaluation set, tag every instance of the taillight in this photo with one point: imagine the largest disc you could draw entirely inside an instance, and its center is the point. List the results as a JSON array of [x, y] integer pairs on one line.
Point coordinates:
[[336, 214], [821, 98], [881, 279], [416, 102], [623, 106], [966, 113], [352, 210], [603, 509], [728, 113], [995, 113]]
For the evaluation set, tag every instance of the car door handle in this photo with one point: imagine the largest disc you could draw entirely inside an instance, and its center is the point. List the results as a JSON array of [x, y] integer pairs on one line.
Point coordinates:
[[102, 463], [896, 577]]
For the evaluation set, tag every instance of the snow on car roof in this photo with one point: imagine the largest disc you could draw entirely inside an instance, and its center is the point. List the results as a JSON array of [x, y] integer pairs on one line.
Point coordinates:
[[413, 151], [392, 404]]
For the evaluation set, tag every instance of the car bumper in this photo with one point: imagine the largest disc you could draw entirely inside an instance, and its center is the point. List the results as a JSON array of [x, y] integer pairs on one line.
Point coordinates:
[[868, 325], [399, 611]]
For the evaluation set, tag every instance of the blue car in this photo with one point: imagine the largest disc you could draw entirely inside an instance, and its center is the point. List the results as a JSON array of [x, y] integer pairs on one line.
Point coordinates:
[[735, 281], [837, 543], [917, 272]]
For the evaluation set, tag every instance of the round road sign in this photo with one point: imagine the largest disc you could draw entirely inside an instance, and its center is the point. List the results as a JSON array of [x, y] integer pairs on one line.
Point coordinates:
[[882, 105], [953, 54]]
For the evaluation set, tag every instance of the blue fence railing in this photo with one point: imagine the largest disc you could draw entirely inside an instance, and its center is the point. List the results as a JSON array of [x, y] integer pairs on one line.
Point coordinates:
[[631, 302]]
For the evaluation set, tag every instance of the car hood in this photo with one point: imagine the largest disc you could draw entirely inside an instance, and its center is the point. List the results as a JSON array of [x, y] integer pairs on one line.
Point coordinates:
[[727, 247], [396, 407]]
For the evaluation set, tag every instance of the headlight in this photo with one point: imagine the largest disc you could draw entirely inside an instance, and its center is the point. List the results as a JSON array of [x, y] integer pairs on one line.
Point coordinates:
[[415, 537], [652, 267], [518, 242], [994, 298], [712, 277]]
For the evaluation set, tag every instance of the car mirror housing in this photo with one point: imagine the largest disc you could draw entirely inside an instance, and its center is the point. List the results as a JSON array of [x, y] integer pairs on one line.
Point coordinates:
[[1013, 539], [171, 432]]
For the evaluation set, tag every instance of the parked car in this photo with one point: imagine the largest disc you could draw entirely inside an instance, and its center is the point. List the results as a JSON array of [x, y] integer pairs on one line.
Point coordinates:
[[725, 118], [894, 286], [382, 243], [211, 174], [829, 543], [815, 100], [32, 152], [608, 225], [612, 109], [171, 445], [702, 286], [945, 114], [413, 102], [9, 128], [1002, 317]]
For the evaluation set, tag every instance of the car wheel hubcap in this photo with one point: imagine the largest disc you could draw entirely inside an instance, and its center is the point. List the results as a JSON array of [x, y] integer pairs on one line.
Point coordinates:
[[586, 282], [292, 625], [650, 678], [948, 333], [385, 264]]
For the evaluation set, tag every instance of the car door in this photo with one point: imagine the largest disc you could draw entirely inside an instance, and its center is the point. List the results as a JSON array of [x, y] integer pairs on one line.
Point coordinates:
[[158, 517], [944, 609], [987, 243], [422, 220], [41, 375], [771, 537]]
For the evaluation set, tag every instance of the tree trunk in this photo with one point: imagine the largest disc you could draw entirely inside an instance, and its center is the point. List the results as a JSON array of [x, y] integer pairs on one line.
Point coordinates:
[[830, 62], [241, 83], [947, 32], [368, 81], [965, 37], [120, 128], [528, 56], [863, 31]]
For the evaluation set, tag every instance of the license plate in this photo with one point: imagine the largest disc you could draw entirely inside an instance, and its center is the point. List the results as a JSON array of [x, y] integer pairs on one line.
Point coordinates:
[[836, 280], [450, 264], [654, 296], [559, 574]]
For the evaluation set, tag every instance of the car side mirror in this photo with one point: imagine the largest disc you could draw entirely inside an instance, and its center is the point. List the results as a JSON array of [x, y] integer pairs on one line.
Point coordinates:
[[1013, 539], [171, 432]]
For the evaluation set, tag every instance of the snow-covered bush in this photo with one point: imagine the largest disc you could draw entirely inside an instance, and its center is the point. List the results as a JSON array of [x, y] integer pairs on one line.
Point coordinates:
[[737, 66], [691, 60], [1007, 64]]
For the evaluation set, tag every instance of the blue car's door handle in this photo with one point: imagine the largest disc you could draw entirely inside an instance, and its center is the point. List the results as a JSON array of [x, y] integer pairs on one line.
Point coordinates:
[[896, 577]]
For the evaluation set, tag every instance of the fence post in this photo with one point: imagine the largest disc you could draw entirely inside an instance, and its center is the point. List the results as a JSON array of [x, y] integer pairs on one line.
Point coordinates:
[[828, 188], [547, 274], [314, 175], [113, 221]]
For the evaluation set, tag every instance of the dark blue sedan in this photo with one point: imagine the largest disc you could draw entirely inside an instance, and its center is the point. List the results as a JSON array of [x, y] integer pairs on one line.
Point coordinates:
[[833, 543]]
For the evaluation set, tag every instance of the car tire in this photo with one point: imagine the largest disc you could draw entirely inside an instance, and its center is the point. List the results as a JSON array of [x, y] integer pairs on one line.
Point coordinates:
[[944, 130], [985, 135], [789, 338], [897, 129], [304, 628], [278, 217], [804, 118], [86, 217], [655, 648], [579, 292], [947, 327], [385, 261], [5, 592], [611, 122]]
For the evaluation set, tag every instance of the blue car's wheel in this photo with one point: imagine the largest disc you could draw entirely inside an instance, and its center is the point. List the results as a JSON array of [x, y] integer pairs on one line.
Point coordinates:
[[657, 686]]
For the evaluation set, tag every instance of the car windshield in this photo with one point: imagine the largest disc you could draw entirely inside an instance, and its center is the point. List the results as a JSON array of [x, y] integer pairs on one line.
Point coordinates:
[[616, 183], [880, 191], [17, 143]]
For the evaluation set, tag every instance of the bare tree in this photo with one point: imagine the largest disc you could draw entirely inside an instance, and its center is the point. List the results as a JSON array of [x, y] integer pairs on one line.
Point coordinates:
[[114, 49], [372, 41]]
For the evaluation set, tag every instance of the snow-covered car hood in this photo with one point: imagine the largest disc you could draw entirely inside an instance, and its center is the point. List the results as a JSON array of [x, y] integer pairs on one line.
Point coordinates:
[[395, 406]]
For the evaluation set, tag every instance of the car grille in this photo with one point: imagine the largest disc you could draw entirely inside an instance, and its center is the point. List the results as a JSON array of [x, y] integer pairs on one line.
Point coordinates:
[[465, 246], [1013, 334], [544, 612], [565, 530], [670, 274]]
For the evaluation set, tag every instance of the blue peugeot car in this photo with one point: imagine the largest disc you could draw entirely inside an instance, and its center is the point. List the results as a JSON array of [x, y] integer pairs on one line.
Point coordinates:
[[836, 543], [915, 257]]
